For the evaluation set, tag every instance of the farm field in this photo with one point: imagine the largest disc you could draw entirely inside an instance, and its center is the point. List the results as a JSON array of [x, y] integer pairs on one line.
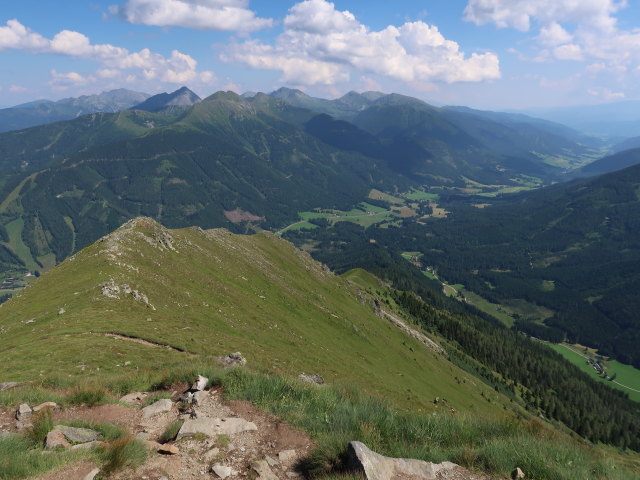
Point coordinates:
[[627, 377]]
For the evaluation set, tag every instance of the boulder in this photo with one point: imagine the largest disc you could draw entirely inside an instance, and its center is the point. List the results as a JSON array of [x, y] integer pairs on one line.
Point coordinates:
[[44, 405], [233, 360], [223, 471], [263, 470], [378, 467], [200, 384], [78, 435], [23, 412], [161, 406], [55, 439], [215, 426], [311, 378]]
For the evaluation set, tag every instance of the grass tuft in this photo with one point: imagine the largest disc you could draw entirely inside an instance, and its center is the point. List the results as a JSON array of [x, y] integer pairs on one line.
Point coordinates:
[[18, 459], [89, 394], [171, 432], [122, 453], [41, 425]]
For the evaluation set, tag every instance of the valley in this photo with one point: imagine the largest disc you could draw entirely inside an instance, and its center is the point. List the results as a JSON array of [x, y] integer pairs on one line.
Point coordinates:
[[415, 262]]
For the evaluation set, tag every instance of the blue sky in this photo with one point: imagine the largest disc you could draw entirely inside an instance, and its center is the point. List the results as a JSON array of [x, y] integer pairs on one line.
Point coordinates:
[[500, 54]]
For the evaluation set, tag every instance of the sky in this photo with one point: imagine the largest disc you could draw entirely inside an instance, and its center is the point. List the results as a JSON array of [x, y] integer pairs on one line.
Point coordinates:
[[491, 54]]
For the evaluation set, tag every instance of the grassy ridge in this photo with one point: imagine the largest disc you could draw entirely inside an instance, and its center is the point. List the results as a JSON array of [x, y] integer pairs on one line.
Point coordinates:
[[212, 294]]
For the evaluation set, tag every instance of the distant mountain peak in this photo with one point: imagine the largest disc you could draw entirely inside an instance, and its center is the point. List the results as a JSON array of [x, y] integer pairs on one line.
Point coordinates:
[[183, 97]]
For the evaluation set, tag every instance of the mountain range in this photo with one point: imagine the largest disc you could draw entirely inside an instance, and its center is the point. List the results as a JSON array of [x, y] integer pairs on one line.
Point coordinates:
[[233, 161], [41, 112]]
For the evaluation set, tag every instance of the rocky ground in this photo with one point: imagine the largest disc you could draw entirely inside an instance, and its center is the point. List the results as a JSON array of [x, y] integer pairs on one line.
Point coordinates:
[[216, 440]]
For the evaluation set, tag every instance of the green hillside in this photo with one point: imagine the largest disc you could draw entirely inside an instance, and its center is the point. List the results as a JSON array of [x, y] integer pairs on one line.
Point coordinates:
[[572, 248], [209, 293]]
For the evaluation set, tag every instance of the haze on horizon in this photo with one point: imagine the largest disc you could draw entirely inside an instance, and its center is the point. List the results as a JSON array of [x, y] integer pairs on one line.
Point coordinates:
[[492, 54]]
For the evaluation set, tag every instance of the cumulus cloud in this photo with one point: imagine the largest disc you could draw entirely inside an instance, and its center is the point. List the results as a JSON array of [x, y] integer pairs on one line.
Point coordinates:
[[578, 30], [177, 68], [322, 45], [520, 14], [228, 15]]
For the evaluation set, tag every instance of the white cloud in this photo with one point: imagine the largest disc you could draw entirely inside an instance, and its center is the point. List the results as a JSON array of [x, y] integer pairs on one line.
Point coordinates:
[[321, 45], [142, 65], [553, 34], [578, 30], [606, 94], [228, 15], [520, 14], [63, 81], [568, 52], [17, 89]]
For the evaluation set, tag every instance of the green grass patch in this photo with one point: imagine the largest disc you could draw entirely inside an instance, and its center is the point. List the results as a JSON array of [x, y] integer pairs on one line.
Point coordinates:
[[14, 230], [493, 309], [627, 377], [335, 416], [420, 195], [18, 458]]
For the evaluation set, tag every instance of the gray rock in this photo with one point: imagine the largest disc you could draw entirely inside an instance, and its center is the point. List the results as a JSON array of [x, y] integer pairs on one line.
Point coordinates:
[[517, 473], [44, 405], [23, 412], [378, 467], [271, 461], [55, 439], [233, 360], [287, 457], [86, 446], [311, 378], [8, 385], [23, 424], [223, 471], [161, 406], [211, 455], [263, 470], [200, 384], [78, 435], [200, 397], [133, 398], [92, 474], [215, 426]]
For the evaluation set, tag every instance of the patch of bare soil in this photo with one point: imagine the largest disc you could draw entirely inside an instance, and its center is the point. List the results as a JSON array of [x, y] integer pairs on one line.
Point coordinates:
[[118, 414], [238, 215], [283, 445], [7, 420], [75, 471]]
